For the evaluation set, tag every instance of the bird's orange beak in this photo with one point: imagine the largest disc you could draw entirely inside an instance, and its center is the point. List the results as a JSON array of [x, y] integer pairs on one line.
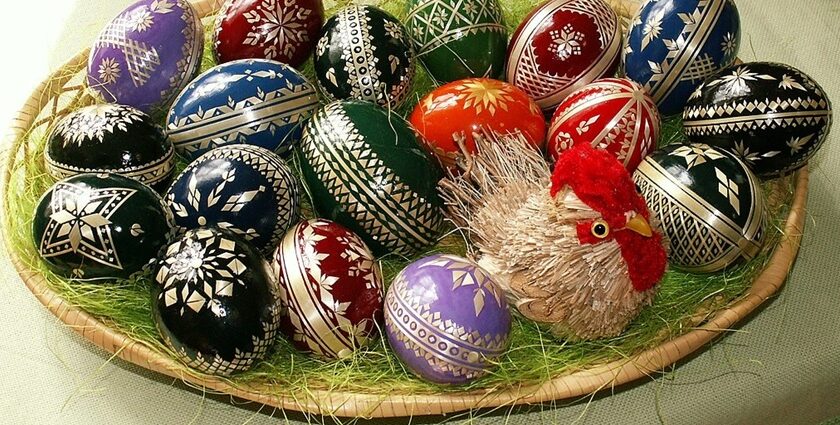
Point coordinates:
[[640, 225]]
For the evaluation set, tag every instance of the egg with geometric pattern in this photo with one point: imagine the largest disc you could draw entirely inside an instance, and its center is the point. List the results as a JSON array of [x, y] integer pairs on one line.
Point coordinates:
[[331, 288], [446, 319], [245, 189], [773, 116], [215, 302], [709, 205]]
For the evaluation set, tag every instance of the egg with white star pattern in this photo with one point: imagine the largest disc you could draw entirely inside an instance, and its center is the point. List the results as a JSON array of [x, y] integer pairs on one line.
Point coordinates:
[[100, 226], [214, 302], [246, 189], [709, 205], [773, 116]]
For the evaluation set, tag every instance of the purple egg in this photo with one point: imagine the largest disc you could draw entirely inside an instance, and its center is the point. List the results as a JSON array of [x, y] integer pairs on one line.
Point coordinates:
[[446, 319], [147, 54]]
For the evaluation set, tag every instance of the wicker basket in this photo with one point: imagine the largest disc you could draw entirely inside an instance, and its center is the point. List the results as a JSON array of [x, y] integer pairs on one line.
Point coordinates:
[[64, 91]]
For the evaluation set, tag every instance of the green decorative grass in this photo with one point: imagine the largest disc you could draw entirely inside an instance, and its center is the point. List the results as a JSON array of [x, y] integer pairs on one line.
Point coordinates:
[[683, 302]]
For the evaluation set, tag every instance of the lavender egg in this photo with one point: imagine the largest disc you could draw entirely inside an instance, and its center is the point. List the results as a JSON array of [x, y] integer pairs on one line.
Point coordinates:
[[147, 54], [446, 319]]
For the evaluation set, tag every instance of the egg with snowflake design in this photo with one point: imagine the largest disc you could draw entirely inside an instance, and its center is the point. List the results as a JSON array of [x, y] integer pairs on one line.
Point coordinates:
[[773, 116], [454, 114], [281, 30], [100, 226], [331, 288], [147, 54], [245, 189], [673, 45], [364, 53], [215, 302], [366, 170], [614, 114], [457, 39], [446, 319], [708, 203], [249, 101], [562, 46], [110, 138]]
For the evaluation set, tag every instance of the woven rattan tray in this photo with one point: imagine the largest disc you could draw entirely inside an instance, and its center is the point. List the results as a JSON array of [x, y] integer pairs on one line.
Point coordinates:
[[63, 91]]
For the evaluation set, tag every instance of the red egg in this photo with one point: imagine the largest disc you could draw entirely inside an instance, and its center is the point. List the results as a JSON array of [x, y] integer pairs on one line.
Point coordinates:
[[330, 287], [281, 30], [614, 114], [562, 46], [454, 113]]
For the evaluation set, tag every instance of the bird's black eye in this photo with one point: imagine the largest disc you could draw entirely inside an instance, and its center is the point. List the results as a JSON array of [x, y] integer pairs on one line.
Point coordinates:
[[600, 229]]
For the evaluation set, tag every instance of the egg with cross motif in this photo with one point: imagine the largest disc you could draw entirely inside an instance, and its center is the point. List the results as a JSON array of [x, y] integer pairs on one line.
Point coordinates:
[[147, 54], [561, 46], [773, 116], [100, 226], [673, 45], [709, 205], [446, 319], [364, 53], [245, 189], [331, 288], [215, 302]]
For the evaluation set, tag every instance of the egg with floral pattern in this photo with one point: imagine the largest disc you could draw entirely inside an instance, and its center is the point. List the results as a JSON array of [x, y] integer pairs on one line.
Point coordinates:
[[446, 319], [215, 302], [331, 288], [147, 54]]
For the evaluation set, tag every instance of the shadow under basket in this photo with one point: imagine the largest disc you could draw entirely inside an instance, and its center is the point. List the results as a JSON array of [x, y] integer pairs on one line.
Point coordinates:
[[64, 91]]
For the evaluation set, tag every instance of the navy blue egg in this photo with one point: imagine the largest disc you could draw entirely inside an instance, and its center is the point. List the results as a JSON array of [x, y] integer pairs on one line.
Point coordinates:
[[253, 101], [245, 189], [674, 45]]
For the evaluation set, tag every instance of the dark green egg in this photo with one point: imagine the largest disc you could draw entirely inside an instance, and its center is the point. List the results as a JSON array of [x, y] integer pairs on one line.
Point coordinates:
[[365, 169], [111, 139], [93, 226]]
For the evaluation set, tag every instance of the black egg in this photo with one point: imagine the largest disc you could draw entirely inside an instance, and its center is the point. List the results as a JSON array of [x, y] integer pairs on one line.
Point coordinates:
[[93, 226], [111, 138], [773, 116], [215, 302]]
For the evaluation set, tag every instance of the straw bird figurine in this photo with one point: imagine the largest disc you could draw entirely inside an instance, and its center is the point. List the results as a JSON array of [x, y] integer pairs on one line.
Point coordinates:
[[573, 249]]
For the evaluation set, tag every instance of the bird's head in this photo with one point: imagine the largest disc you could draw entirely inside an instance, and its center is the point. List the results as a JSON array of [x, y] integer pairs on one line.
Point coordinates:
[[586, 178]]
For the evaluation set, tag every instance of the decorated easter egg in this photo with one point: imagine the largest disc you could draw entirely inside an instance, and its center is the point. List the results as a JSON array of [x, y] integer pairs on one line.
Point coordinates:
[[252, 101], [456, 39], [446, 319], [215, 302], [331, 288], [147, 54], [709, 204], [456, 113], [245, 189], [562, 46], [773, 116], [363, 53], [673, 45], [100, 226], [614, 114], [366, 170], [281, 30], [110, 138]]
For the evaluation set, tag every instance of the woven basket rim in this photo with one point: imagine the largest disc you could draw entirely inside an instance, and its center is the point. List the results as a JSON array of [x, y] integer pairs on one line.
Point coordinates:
[[349, 404]]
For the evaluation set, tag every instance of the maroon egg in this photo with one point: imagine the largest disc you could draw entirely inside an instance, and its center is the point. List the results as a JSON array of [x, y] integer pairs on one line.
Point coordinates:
[[562, 46], [331, 288], [281, 30]]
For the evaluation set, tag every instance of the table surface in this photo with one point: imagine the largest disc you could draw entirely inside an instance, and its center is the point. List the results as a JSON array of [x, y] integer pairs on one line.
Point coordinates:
[[782, 366]]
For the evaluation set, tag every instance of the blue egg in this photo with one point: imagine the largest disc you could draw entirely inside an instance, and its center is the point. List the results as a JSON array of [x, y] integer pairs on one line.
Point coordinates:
[[245, 189], [673, 45], [252, 101]]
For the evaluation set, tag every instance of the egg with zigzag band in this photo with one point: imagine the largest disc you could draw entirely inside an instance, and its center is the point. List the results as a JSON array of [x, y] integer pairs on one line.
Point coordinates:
[[365, 169], [245, 189]]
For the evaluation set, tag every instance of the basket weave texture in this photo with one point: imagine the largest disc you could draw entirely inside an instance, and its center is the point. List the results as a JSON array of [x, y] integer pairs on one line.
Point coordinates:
[[64, 91]]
